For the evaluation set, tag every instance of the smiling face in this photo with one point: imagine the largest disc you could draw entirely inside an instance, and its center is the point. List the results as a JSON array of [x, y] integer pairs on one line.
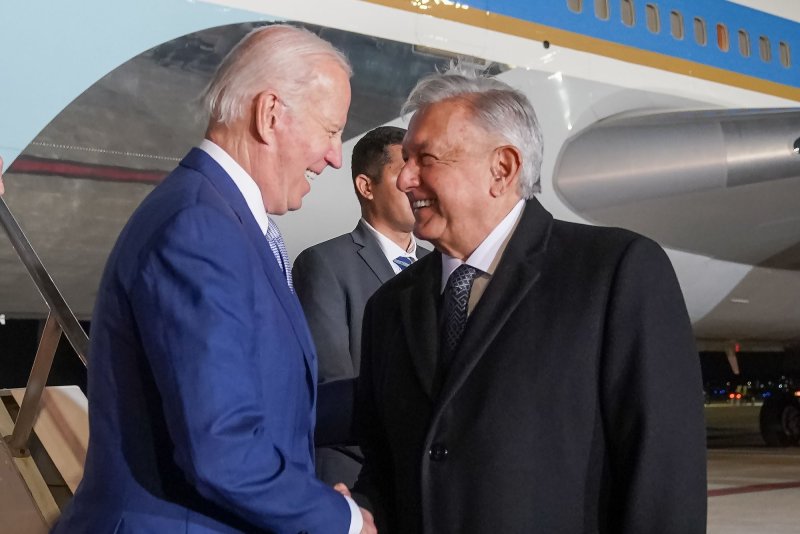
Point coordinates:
[[390, 207], [307, 139], [448, 178]]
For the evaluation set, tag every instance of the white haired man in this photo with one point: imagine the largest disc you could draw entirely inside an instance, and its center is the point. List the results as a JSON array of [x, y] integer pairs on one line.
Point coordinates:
[[513, 381], [202, 373]]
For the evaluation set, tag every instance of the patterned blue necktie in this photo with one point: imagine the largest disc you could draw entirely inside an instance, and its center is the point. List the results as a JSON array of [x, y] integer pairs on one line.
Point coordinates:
[[456, 297], [278, 247], [403, 261]]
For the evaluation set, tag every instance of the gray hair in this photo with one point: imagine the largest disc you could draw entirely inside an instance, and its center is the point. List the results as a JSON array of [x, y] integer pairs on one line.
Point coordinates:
[[497, 107], [279, 56]]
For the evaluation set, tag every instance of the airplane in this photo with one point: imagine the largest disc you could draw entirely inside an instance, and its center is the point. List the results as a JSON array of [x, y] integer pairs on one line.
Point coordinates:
[[673, 118]]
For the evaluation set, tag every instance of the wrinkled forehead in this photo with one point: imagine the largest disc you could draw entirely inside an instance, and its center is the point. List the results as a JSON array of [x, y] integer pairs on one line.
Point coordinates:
[[446, 125]]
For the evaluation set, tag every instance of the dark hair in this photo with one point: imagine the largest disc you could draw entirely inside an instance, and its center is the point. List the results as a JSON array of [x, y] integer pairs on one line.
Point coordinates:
[[371, 153]]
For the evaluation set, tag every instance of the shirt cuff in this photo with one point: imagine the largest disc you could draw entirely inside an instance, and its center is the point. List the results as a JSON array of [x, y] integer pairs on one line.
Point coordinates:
[[356, 521]]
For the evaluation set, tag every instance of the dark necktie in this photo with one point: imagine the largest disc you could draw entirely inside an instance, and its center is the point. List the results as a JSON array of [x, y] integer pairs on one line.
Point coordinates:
[[403, 261], [278, 247], [456, 298]]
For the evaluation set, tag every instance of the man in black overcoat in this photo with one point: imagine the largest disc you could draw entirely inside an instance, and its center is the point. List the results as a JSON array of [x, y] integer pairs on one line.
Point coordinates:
[[530, 375]]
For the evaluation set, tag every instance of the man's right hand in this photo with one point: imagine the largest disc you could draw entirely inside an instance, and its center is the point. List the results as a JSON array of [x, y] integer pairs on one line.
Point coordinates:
[[369, 522]]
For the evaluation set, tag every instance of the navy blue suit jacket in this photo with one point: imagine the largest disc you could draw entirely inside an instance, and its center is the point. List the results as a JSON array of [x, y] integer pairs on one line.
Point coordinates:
[[202, 376]]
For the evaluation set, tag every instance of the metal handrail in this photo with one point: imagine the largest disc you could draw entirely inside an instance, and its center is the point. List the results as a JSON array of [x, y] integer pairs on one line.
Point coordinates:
[[47, 288], [60, 319]]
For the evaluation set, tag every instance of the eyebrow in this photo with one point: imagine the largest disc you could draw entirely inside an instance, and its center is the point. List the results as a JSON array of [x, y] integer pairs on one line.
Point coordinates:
[[418, 147]]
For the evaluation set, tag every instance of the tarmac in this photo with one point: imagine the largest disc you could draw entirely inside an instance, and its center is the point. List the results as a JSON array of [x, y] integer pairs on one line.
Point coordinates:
[[752, 489]]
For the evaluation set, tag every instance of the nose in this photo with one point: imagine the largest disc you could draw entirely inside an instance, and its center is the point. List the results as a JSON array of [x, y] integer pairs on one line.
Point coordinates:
[[334, 155], [408, 177]]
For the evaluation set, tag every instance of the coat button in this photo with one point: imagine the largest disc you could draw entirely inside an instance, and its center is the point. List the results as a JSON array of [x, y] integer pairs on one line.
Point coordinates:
[[438, 452]]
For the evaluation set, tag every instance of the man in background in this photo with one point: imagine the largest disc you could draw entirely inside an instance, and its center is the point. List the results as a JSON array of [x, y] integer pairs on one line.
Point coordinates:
[[202, 372], [335, 279], [513, 381]]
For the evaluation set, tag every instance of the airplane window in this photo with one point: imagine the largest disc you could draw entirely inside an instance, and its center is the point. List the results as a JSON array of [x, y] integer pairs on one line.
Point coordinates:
[[722, 38], [676, 24], [786, 58], [700, 31], [744, 43], [653, 24], [764, 50], [628, 18], [601, 9], [575, 5]]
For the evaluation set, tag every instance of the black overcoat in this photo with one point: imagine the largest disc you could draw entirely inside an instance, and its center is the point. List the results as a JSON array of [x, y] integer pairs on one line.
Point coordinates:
[[573, 404]]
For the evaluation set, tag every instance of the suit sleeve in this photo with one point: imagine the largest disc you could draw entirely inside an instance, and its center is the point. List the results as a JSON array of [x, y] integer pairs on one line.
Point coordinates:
[[325, 307], [652, 401], [194, 305]]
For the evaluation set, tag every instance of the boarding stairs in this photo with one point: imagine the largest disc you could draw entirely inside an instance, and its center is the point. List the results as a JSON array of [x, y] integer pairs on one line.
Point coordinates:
[[44, 431]]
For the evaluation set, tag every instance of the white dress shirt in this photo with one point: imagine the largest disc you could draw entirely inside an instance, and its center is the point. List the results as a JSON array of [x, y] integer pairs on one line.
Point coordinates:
[[483, 258], [391, 249], [252, 196]]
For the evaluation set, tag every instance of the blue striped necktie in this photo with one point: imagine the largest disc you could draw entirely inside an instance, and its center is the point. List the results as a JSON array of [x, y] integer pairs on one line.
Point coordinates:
[[278, 247], [403, 261]]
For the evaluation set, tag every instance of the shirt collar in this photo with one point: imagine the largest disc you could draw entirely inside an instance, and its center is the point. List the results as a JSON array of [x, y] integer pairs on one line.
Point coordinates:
[[244, 182], [389, 248], [483, 256]]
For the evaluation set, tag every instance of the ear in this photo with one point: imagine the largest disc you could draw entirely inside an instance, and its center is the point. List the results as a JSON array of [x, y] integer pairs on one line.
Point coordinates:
[[506, 166], [364, 186], [267, 111]]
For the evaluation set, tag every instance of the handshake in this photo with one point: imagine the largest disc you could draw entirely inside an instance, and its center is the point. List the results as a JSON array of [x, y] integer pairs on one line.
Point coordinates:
[[369, 522]]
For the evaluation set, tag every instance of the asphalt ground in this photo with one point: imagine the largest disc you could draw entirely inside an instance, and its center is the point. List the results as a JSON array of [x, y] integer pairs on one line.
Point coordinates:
[[753, 489]]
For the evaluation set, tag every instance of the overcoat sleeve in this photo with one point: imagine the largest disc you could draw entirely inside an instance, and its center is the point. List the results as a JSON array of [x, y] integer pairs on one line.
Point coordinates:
[[652, 401], [374, 487]]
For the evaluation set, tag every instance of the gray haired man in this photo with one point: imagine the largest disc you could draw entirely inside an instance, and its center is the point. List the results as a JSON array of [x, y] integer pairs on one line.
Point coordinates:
[[512, 381]]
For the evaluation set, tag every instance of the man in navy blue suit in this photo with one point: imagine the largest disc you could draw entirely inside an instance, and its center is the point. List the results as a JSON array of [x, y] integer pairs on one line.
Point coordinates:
[[202, 374]]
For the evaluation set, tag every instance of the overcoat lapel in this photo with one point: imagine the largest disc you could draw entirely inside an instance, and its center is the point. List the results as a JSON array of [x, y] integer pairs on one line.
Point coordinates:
[[419, 303], [201, 162], [516, 274], [371, 253]]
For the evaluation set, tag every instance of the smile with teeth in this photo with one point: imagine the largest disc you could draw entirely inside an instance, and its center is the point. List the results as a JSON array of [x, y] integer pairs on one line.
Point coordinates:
[[421, 203], [311, 175]]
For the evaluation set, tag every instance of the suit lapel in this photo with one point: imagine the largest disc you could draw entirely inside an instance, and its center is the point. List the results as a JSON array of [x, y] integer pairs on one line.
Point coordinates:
[[419, 302], [203, 163], [371, 252], [516, 274]]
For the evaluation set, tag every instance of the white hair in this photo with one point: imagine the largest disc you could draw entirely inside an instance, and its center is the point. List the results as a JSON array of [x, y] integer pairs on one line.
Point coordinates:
[[278, 56], [496, 107]]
